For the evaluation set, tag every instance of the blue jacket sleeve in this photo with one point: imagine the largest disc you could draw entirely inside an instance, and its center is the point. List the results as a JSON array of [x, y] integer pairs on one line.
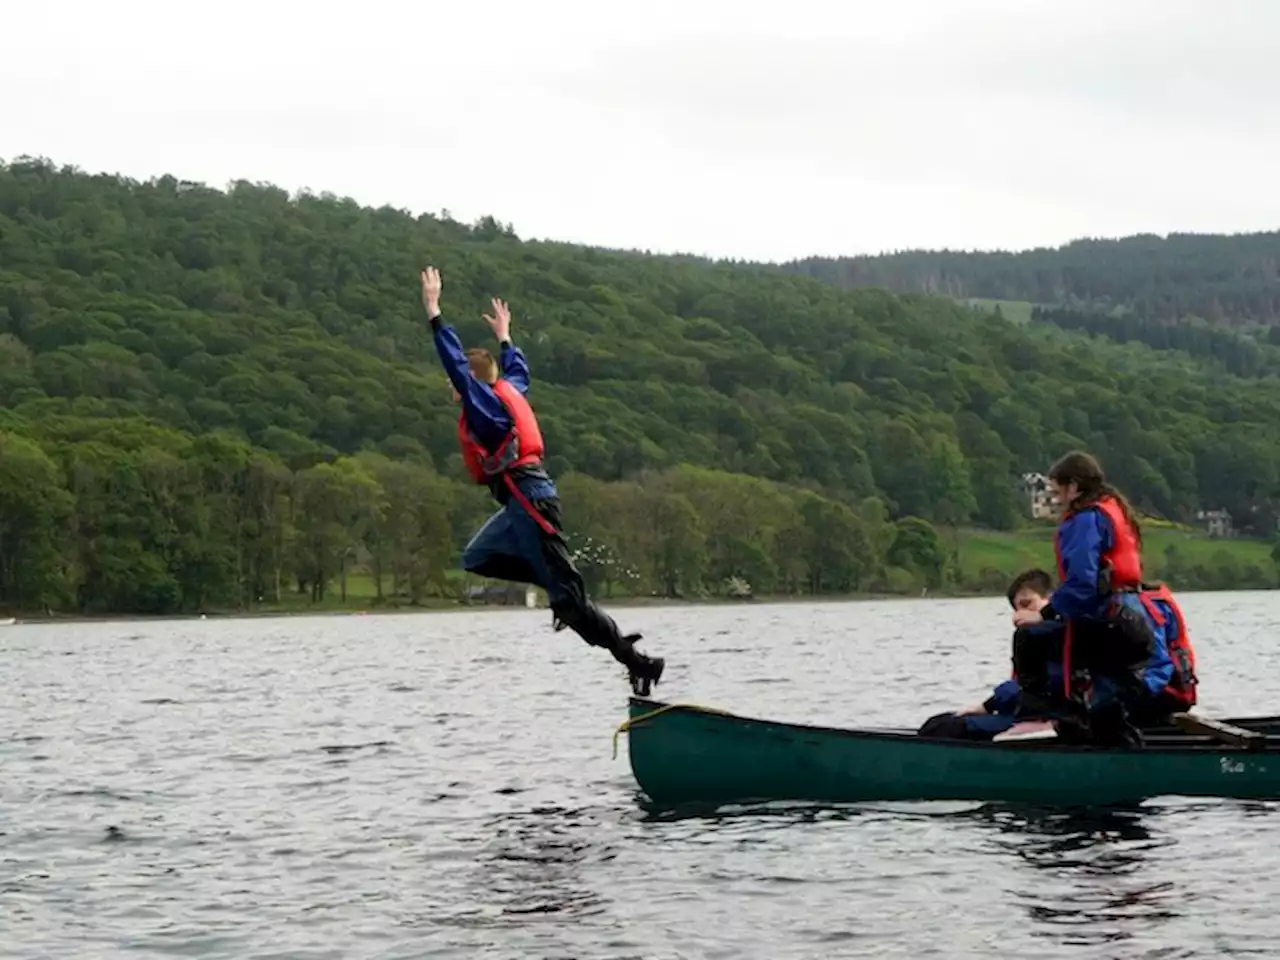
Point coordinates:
[[514, 366], [485, 414], [1083, 537], [1004, 698]]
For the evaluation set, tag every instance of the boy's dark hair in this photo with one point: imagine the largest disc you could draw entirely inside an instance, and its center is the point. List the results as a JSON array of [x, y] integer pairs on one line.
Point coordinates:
[[1036, 580]]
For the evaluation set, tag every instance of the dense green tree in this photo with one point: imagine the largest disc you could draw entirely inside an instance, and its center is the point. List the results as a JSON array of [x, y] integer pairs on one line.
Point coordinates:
[[918, 548], [34, 505]]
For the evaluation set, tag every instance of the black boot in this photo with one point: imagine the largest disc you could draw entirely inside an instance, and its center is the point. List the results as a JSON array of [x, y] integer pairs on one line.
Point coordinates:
[[598, 629], [645, 672], [1109, 726]]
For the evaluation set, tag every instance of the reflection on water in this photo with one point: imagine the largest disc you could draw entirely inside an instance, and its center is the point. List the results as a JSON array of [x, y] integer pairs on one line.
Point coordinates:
[[1084, 876], [1093, 875], [1106, 840], [710, 813], [539, 862]]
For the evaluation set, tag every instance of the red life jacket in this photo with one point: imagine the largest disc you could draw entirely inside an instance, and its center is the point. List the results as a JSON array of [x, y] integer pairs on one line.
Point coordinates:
[[521, 447], [1123, 561], [1182, 685]]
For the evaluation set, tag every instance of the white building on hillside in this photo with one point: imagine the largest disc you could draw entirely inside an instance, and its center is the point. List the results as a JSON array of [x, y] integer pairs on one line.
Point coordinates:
[[1040, 501], [1216, 522]]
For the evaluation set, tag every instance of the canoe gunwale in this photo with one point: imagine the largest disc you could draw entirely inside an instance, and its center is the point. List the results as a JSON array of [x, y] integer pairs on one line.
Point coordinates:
[[1164, 739]]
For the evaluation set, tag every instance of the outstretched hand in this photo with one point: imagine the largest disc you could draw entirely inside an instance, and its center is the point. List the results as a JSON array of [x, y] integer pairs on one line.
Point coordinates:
[[431, 291], [500, 322]]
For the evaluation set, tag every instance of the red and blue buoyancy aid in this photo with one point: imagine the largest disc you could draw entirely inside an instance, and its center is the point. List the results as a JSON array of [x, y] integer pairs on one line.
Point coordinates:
[[521, 447], [1182, 685], [1122, 563]]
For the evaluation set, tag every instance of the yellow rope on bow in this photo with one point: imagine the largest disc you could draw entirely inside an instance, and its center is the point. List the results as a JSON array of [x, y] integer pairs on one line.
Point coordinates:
[[630, 722]]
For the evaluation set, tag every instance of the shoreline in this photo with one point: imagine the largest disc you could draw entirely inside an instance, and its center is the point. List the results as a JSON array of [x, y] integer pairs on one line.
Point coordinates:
[[354, 610]]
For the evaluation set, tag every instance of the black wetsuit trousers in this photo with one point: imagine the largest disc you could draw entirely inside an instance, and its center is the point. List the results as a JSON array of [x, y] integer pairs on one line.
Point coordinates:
[[524, 543]]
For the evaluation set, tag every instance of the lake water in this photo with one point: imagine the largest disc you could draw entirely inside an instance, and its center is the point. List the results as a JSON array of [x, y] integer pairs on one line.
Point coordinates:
[[441, 785]]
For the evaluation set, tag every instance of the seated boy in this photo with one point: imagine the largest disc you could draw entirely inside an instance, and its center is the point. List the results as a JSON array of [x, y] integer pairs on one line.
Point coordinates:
[[1036, 688]]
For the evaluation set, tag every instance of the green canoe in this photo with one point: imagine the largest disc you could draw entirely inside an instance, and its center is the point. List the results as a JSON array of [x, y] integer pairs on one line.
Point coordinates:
[[683, 754]]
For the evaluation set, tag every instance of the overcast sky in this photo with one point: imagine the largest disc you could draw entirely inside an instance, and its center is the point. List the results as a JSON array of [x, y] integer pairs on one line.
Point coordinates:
[[760, 132]]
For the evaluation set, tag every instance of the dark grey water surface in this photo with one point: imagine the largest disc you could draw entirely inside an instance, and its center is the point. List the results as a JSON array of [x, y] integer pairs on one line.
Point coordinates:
[[440, 785]]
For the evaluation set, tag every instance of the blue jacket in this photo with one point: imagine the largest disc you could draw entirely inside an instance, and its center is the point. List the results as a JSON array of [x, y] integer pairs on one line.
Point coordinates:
[[1082, 540], [485, 414]]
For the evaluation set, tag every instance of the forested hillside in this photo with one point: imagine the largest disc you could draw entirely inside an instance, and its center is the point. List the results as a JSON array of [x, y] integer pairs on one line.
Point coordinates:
[[1222, 279], [208, 398], [1220, 347]]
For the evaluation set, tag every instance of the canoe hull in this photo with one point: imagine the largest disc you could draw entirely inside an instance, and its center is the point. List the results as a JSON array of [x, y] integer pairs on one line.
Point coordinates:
[[684, 755]]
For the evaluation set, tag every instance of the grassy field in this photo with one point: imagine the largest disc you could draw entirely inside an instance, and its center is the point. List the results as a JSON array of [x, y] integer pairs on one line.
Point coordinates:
[[1013, 552], [362, 594]]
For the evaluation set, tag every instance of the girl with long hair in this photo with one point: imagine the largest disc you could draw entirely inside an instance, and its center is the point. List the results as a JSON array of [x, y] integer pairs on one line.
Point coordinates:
[[1130, 637]]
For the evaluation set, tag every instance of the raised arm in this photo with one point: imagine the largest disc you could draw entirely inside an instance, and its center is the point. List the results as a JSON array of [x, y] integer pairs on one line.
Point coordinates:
[[511, 361], [452, 356], [514, 366], [448, 345], [485, 413]]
